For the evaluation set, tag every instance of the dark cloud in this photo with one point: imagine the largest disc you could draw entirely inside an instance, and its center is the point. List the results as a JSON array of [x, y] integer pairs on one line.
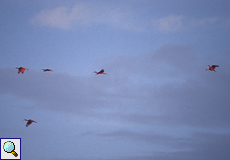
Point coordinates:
[[201, 146], [164, 99], [161, 87], [52, 91]]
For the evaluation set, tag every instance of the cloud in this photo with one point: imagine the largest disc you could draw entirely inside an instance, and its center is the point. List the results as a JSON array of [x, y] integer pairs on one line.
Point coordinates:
[[173, 23], [168, 24], [163, 86], [169, 61], [177, 56], [50, 91], [117, 16], [63, 17], [204, 21], [85, 15], [210, 145], [142, 101], [170, 84]]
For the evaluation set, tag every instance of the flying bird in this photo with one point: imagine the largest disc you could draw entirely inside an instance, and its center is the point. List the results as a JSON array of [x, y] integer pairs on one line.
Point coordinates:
[[212, 68], [21, 69], [100, 72], [47, 70], [29, 122]]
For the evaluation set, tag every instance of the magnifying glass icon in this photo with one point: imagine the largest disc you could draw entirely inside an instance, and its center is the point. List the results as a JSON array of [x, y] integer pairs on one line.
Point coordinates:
[[9, 147]]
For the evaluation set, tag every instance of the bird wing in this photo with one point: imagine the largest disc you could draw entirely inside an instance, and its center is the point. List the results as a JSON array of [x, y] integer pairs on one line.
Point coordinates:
[[28, 123], [23, 69], [214, 66], [101, 71]]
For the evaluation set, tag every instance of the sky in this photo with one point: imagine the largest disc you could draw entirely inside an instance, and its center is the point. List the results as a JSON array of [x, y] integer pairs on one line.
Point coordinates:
[[157, 101]]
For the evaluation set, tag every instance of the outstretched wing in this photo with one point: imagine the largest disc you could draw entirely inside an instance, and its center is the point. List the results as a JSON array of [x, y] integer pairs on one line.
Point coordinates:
[[23, 69], [214, 66], [101, 71], [28, 123], [47, 70]]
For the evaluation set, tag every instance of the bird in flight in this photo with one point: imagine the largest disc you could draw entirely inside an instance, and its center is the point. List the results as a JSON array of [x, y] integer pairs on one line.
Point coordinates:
[[212, 68], [47, 70], [21, 69], [29, 122], [100, 72]]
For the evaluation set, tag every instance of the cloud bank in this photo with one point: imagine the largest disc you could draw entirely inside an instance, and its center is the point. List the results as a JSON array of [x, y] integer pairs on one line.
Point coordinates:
[[142, 101], [85, 15], [118, 17]]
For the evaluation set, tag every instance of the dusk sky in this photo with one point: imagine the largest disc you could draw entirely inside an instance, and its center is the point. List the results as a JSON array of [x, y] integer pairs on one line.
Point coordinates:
[[157, 101]]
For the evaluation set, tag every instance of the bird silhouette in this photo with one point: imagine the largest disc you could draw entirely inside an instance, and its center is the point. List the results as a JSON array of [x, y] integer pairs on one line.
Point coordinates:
[[21, 69], [29, 122], [100, 72], [212, 68], [47, 70]]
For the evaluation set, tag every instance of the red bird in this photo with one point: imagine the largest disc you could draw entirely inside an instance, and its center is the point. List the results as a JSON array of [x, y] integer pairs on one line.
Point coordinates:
[[212, 68], [21, 69], [29, 122], [100, 72], [47, 70]]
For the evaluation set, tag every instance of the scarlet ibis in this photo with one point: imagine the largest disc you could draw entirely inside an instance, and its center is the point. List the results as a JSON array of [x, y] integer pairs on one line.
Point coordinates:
[[100, 72], [47, 70], [29, 122], [21, 69], [212, 68]]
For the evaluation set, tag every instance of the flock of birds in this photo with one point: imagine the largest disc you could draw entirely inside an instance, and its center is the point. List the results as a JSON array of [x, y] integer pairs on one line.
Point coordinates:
[[22, 70]]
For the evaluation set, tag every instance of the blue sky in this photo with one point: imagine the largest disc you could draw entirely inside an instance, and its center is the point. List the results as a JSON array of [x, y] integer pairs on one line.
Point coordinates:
[[156, 101]]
